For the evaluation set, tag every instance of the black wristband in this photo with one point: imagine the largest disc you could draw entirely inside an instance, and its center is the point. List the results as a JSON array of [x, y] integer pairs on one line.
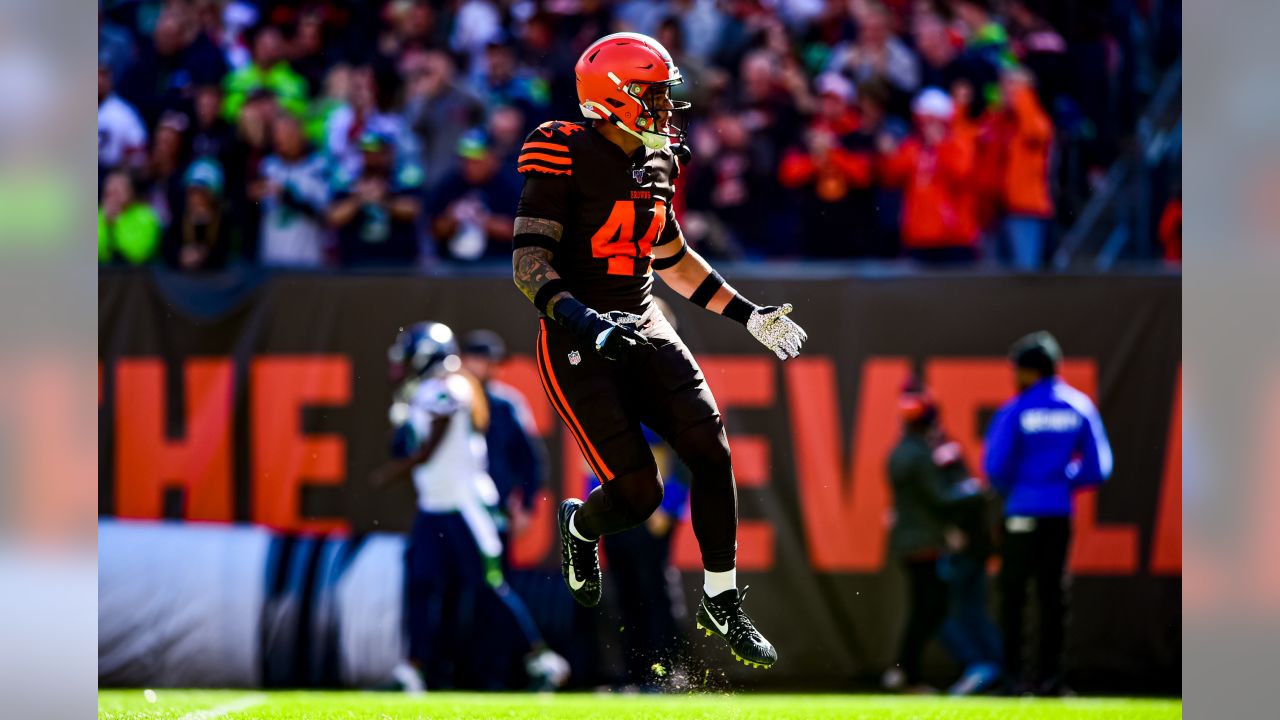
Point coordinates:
[[707, 290], [739, 309], [524, 240], [552, 288], [664, 263]]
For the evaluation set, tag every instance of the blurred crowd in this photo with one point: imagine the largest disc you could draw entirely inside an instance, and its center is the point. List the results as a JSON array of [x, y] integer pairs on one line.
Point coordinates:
[[339, 133]]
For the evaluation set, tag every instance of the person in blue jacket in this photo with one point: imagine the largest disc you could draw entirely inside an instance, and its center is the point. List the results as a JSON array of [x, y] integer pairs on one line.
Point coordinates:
[[1041, 447]]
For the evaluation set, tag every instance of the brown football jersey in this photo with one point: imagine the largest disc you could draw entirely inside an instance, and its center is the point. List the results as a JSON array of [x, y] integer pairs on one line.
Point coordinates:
[[614, 208]]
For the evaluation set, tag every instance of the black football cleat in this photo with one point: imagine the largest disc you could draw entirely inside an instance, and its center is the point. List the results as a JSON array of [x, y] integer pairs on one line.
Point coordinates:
[[723, 615], [578, 560]]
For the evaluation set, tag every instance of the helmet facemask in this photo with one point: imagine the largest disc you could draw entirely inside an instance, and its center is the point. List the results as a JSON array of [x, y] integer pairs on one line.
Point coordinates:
[[661, 121]]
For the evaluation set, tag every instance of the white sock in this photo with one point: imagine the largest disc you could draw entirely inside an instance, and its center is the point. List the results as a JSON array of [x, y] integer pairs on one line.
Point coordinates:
[[714, 583], [573, 529]]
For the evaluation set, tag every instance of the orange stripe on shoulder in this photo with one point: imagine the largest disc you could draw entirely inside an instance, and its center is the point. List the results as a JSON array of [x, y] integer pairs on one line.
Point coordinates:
[[553, 159], [531, 145], [529, 167]]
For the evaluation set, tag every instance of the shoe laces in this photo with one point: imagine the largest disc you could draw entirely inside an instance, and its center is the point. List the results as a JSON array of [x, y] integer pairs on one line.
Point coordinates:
[[740, 626], [583, 555]]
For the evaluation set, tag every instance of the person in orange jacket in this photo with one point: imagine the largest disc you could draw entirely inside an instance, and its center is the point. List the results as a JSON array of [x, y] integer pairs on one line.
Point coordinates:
[[935, 169], [1027, 134], [833, 171], [990, 160]]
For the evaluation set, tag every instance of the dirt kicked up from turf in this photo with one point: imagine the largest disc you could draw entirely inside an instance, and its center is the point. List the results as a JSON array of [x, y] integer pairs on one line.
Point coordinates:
[[240, 705]]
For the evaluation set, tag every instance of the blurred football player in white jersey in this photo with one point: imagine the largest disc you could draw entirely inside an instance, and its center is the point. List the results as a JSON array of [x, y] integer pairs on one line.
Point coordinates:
[[439, 416]]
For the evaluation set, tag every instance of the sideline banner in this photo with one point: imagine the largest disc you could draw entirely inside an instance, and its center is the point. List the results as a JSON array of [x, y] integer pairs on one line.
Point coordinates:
[[259, 398]]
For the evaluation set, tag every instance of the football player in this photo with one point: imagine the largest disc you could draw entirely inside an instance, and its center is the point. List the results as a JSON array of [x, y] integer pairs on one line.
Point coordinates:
[[593, 225], [438, 416]]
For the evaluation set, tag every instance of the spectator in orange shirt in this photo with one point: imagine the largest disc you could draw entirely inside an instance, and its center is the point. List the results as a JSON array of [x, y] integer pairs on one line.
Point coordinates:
[[833, 171], [990, 159], [935, 169], [1028, 139]]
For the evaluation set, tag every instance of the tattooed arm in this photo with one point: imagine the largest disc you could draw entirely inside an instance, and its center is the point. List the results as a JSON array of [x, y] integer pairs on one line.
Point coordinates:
[[531, 260], [534, 242]]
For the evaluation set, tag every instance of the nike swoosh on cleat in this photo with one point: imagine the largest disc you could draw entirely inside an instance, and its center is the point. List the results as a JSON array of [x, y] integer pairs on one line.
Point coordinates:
[[724, 629], [574, 582]]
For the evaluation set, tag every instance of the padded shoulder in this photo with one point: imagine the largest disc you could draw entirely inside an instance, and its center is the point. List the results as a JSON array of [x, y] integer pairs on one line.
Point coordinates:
[[549, 149]]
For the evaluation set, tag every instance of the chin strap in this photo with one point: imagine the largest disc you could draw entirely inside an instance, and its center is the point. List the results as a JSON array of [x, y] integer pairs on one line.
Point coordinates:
[[653, 141]]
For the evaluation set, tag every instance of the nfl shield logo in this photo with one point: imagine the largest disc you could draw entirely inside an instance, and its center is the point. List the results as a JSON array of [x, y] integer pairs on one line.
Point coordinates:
[[637, 174], [574, 357]]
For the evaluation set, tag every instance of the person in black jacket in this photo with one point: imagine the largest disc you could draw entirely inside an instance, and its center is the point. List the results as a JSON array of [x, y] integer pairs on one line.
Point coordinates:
[[925, 501]]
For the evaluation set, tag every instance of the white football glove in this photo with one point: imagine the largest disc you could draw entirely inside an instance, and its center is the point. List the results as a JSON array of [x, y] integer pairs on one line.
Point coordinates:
[[771, 326]]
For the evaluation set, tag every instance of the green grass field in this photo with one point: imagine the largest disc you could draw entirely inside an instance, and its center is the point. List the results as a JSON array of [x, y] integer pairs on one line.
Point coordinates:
[[215, 704]]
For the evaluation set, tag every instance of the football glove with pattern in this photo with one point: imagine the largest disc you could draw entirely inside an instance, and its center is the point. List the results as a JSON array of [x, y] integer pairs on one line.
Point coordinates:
[[771, 326]]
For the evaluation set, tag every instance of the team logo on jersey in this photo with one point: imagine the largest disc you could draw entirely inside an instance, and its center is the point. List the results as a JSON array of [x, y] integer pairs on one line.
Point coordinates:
[[638, 174], [574, 357]]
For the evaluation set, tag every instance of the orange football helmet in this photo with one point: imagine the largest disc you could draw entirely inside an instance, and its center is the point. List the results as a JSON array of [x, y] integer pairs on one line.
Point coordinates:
[[626, 78]]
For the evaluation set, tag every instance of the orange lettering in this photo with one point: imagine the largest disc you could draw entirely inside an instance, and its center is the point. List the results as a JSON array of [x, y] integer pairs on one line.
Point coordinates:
[[1097, 549], [284, 460], [845, 526], [741, 382], [1166, 550], [148, 461]]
